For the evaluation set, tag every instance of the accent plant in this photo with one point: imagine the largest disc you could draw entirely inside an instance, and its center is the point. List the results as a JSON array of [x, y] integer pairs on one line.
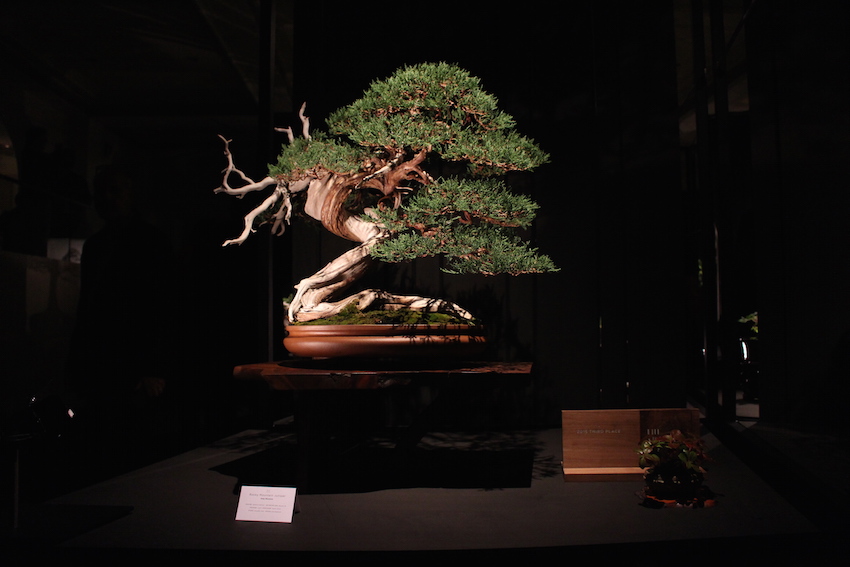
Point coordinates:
[[674, 466], [672, 448]]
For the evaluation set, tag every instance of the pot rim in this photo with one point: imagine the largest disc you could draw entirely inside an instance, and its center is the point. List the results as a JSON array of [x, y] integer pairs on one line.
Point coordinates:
[[384, 329]]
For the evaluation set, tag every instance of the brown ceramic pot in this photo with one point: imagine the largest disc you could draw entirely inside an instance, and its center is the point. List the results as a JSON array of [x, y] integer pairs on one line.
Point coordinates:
[[384, 341]]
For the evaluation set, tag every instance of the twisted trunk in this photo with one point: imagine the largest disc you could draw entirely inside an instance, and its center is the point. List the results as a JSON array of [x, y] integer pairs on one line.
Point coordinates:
[[325, 197], [314, 298]]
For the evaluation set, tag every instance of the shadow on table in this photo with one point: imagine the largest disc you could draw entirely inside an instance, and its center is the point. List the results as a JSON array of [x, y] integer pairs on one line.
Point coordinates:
[[366, 468], [51, 524]]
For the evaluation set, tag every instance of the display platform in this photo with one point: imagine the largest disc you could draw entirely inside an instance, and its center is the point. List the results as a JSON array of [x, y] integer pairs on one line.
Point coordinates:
[[188, 504]]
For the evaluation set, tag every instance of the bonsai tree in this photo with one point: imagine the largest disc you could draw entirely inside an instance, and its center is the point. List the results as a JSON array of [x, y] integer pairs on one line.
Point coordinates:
[[414, 168]]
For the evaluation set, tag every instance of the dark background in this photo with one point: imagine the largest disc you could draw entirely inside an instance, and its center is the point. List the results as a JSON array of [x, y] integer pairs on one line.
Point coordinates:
[[663, 182]]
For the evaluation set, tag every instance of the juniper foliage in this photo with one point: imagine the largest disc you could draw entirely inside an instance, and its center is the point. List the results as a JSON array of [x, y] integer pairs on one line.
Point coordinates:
[[470, 217]]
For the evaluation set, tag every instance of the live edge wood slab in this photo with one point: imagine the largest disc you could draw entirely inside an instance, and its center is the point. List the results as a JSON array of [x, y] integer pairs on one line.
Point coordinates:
[[354, 374]]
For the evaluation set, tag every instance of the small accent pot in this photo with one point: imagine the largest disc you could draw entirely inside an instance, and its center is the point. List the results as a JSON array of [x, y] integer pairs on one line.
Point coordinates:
[[671, 481]]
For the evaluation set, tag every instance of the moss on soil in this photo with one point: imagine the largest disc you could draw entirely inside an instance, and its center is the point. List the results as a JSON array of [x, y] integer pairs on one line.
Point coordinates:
[[350, 315]]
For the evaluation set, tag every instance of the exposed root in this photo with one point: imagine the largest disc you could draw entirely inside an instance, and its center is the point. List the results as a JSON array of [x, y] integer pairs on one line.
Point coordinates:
[[373, 299]]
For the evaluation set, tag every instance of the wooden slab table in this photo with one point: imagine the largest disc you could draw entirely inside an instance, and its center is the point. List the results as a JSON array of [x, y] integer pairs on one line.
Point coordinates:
[[332, 374]]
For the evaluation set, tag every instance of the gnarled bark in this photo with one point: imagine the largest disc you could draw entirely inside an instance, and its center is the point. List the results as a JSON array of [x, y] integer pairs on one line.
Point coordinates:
[[316, 296]]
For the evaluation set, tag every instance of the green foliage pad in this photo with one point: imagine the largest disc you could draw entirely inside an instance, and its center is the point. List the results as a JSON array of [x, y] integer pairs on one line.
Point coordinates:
[[463, 210]]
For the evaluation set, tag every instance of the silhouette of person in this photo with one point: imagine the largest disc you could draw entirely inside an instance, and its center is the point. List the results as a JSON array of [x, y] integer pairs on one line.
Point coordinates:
[[122, 349]]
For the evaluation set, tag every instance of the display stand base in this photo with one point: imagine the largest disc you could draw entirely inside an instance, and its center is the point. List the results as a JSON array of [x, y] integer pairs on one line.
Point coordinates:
[[312, 379], [595, 474]]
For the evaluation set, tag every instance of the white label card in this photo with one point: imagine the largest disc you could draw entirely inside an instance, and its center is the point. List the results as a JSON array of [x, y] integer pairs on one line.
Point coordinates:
[[266, 504]]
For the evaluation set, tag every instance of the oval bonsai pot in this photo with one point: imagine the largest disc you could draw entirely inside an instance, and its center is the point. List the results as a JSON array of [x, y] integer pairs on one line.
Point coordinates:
[[385, 340]]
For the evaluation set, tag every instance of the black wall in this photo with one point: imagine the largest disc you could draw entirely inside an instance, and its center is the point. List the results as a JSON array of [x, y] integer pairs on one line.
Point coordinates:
[[799, 86], [595, 85]]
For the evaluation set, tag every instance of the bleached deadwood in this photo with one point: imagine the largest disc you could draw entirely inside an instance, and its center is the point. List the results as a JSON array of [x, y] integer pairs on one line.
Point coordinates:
[[309, 302], [231, 169], [313, 300], [379, 299], [248, 227], [305, 125], [323, 201], [314, 296]]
